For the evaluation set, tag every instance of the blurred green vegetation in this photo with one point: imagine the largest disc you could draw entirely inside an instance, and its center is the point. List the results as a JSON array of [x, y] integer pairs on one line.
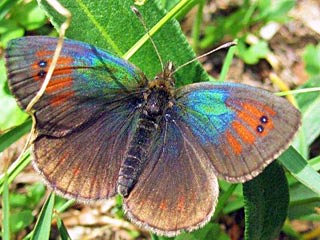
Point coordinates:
[[19, 18]]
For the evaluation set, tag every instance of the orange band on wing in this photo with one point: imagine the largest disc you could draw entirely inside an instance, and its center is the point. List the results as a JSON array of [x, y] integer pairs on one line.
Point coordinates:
[[61, 98], [234, 143], [243, 132]]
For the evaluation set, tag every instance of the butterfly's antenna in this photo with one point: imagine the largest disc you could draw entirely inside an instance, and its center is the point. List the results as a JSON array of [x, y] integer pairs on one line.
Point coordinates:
[[138, 14], [226, 45]]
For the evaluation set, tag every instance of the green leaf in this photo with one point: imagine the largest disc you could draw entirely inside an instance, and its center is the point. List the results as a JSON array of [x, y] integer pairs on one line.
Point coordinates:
[[42, 229], [10, 115], [301, 169], [14, 134], [274, 11], [309, 104], [5, 218], [105, 27], [266, 202], [21, 220], [62, 229], [30, 200], [311, 58], [253, 53], [15, 169], [29, 15], [209, 230], [303, 202], [5, 6]]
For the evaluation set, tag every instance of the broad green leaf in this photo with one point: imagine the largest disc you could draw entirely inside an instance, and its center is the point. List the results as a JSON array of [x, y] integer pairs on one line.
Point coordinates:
[[266, 203], [104, 24]]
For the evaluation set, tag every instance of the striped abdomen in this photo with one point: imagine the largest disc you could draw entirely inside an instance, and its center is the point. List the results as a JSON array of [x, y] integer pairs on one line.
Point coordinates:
[[136, 155], [157, 100]]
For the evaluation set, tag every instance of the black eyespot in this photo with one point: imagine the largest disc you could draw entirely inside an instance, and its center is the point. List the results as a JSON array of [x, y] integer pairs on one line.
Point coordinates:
[[42, 63], [42, 73], [260, 129], [264, 119]]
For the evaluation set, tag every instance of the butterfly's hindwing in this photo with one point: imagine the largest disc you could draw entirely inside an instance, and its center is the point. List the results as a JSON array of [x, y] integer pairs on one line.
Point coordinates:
[[177, 183]]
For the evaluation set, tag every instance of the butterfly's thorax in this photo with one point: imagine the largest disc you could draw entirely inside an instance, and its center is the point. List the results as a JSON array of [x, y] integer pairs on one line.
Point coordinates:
[[157, 100]]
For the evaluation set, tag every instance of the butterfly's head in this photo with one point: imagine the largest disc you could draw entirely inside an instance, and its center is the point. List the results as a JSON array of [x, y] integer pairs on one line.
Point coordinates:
[[164, 79]]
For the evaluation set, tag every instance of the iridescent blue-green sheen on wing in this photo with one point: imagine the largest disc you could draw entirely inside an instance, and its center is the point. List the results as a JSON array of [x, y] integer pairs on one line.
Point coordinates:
[[207, 113], [239, 129], [85, 82], [85, 117]]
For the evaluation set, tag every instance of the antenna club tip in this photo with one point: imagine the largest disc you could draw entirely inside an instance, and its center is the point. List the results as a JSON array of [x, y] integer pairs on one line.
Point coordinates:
[[135, 11]]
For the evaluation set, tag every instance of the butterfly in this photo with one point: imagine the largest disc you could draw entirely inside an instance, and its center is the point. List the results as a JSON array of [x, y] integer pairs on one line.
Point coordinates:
[[103, 128]]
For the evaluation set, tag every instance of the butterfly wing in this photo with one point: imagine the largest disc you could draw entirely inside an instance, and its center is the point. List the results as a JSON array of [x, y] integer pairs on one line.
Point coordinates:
[[178, 182], [85, 82], [240, 129], [85, 164], [85, 117]]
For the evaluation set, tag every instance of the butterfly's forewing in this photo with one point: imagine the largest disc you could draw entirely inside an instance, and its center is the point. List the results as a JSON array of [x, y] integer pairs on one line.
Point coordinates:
[[85, 117], [84, 83], [240, 129], [175, 191]]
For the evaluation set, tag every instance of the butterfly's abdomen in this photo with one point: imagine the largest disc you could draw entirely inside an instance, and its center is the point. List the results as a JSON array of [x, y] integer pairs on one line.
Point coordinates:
[[136, 155], [157, 100]]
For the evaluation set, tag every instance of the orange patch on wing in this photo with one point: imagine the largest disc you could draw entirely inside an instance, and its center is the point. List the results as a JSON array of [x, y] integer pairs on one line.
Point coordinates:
[[60, 84], [252, 115], [61, 98], [61, 160], [76, 171], [251, 121], [234, 143], [267, 127], [269, 110], [93, 182], [181, 203], [44, 54], [163, 205], [243, 132], [63, 62], [252, 109]]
